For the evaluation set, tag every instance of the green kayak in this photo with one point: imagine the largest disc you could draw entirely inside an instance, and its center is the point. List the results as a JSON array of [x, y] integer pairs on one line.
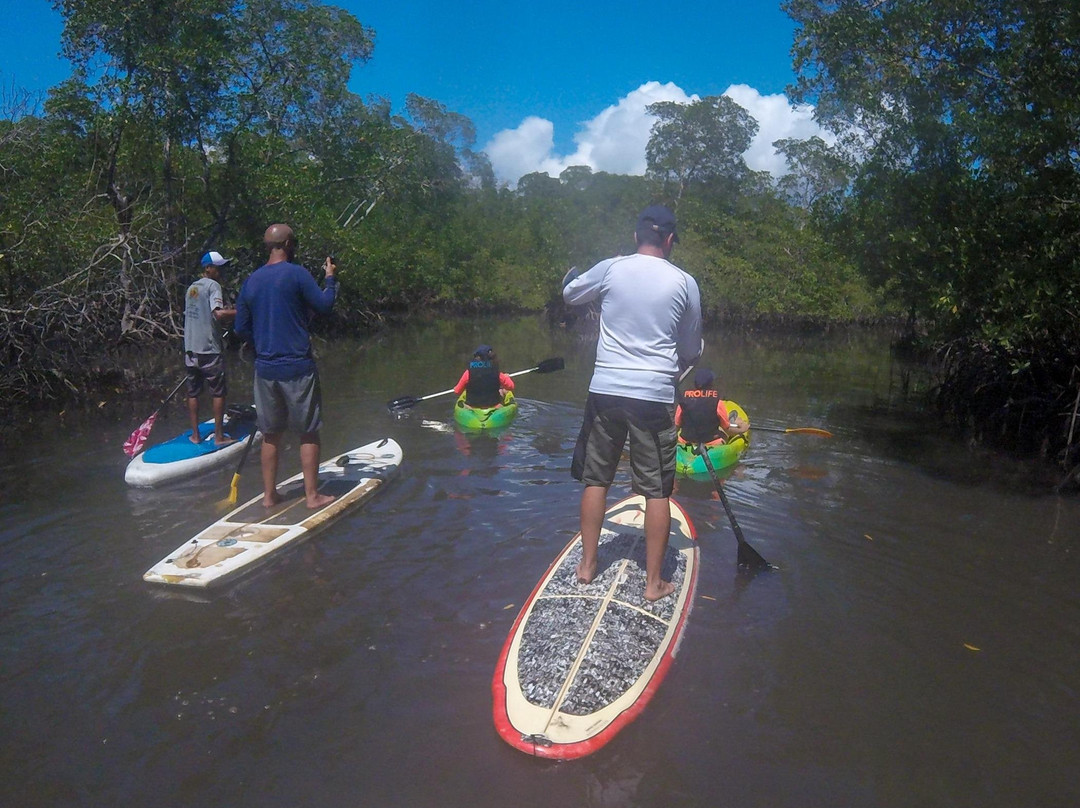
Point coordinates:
[[485, 417], [722, 455]]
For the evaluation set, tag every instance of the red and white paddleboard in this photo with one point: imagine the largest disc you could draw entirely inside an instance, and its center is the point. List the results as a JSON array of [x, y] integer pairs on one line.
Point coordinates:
[[583, 660]]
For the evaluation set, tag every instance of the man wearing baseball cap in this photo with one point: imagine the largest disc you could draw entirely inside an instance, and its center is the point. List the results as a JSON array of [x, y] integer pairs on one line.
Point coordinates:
[[650, 330], [204, 317]]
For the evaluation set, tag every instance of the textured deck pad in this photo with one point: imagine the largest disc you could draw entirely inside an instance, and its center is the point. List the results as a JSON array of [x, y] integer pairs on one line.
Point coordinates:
[[583, 659], [181, 448], [625, 639]]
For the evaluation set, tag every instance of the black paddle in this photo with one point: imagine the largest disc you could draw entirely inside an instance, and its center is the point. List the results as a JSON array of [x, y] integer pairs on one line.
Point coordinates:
[[803, 430], [405, 402], [748, 557]]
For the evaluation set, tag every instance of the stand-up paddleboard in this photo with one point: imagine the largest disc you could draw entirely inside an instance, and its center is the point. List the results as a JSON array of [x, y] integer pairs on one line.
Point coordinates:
[[583, 660], [178, 458], [251, 534]]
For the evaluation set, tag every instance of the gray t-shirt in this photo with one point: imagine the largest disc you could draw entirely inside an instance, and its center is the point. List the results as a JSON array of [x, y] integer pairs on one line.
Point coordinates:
[[650, 325], [202, 334]]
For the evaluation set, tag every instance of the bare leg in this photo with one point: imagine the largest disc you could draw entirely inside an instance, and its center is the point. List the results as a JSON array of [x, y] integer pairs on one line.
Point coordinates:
[[193, 414], [309, 463], [219, 422], [270, 449], [593, 505], [657, 528]]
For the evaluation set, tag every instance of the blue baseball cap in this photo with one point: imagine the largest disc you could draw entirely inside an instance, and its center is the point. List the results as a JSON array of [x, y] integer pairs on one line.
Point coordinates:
[[482, 351]]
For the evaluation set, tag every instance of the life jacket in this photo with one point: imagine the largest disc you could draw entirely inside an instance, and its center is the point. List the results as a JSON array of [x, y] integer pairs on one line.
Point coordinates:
[[700, 423], [482, 389]]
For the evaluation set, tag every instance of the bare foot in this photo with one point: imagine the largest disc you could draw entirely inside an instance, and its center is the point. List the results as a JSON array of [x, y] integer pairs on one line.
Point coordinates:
[[666, 588], [224, 441], [195, 438], [272, 500], [319, 501], [585, 574]]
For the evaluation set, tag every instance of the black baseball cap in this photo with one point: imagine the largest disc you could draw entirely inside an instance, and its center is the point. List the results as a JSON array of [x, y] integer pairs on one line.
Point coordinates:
[[658, 218]]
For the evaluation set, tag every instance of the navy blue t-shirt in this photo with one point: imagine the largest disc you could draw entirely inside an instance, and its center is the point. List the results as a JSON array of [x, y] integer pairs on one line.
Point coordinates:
[[274, 310]]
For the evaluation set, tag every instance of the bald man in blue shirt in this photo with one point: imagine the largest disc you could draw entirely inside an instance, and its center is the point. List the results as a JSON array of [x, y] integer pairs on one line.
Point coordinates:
[[273, 310]]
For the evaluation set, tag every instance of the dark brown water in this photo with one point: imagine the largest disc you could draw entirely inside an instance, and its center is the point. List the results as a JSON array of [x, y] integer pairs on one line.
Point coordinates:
[[919, 645]]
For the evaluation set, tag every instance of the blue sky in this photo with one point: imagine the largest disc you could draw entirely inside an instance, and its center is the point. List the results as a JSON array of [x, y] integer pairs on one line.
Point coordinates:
[[547, 84]]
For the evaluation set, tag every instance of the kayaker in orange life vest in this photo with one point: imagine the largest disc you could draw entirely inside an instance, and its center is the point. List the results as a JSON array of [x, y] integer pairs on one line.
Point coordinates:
[[482, 382], [701, 414]]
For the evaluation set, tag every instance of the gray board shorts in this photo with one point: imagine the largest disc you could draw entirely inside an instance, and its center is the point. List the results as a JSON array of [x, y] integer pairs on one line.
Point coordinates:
[[609, 421], [293, 404]]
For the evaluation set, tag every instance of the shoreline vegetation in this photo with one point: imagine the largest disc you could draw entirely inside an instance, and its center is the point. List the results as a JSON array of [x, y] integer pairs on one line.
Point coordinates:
[[953, 209]]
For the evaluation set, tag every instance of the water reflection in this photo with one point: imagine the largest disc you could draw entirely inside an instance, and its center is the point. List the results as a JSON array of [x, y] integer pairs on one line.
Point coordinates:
[[357, 669]]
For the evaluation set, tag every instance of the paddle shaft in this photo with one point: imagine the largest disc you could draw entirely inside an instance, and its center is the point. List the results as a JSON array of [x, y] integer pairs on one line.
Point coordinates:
[[521, 372], [748, 556], [234, 485], [433, 395], [168, 398]]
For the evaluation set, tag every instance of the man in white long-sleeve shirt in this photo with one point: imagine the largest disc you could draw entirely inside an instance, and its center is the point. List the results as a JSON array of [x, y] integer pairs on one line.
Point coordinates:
[[650, 329]]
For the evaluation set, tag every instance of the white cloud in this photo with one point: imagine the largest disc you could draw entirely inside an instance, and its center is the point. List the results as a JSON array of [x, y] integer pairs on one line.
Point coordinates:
[[777, 119], [517, 152], [615, 140]]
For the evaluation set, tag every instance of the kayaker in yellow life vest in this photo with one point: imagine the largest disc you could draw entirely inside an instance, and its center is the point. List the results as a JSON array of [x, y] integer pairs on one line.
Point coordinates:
[[702, 416], [483, 383]]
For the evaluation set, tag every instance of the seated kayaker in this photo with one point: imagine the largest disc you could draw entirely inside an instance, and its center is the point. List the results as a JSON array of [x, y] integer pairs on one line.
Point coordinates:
[[482, 382], [702, 416]]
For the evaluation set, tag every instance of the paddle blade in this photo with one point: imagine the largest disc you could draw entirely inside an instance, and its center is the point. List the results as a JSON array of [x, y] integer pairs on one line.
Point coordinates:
[[234, 489], [551, 365], [750, 559], [402, 403], [795, 430], [811, 430], [137, 439]]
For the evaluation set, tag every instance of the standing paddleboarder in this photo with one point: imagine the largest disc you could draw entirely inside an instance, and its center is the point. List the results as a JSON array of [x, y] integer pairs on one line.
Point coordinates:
[[205, 314], [650, 329], [273, 310]]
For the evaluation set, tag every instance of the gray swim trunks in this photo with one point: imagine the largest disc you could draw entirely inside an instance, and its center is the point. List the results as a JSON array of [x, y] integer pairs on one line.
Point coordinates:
[[293, 404], [650, 425]]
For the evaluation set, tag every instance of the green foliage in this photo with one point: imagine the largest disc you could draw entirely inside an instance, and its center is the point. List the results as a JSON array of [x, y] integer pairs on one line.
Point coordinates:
[[818, 175], [193, 124], [962, 116], [760, 264], [699, 142]]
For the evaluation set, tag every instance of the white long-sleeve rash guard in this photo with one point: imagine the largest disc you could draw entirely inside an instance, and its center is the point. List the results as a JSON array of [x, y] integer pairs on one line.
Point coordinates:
[[650, 325]]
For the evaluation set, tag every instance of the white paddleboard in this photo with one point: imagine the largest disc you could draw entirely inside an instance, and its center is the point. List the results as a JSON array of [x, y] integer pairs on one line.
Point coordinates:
[[252, 534], [583, 660]]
